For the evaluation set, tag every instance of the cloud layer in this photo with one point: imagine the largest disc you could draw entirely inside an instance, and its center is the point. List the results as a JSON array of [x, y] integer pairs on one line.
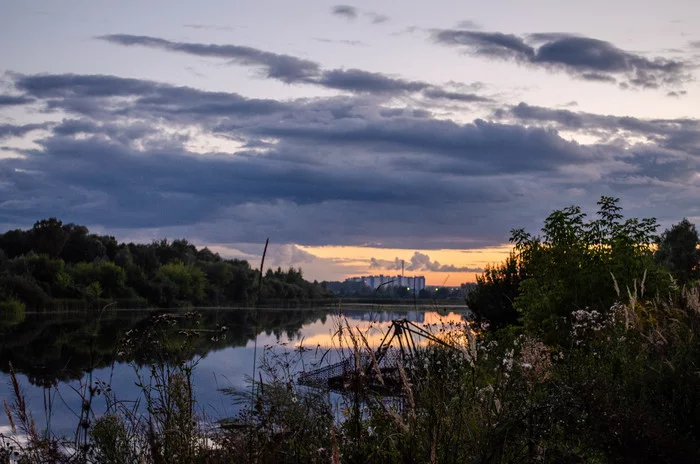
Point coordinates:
[[345, 11], [352, 13], [292, 70], [419, 262], [384, 160], [353, 169], [275, 66], [582, 57]]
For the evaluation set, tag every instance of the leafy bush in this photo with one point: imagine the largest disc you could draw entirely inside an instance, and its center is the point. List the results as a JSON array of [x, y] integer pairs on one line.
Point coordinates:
[[12, 311], [496, 289], [578, 264]]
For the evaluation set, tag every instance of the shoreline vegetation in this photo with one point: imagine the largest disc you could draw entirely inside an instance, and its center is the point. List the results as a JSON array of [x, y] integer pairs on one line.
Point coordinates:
[[63, 267], [584, 347]]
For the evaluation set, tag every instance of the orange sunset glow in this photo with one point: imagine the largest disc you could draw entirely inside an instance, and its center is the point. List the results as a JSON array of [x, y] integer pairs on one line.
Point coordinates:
[[356, 261]]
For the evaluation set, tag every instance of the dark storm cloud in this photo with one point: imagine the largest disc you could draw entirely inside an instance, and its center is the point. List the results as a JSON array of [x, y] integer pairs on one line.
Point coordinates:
[[174, 171], [666, 165], [478, 148], [438, 93], [195, 102], [357, 80], [11, 100], [676, 134], [123, 133], [11, 130], [98, 178], [598, 77], [579, 120], [115, 165], [352, 13], [122, 157], [291, 70], [597, 56], [490, 44], [102, 96], [276, 66], [581, 57], [345, 11], [80, 85]]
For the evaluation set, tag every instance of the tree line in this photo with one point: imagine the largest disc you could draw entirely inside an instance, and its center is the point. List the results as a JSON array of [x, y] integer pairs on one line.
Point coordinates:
[[64, 266]]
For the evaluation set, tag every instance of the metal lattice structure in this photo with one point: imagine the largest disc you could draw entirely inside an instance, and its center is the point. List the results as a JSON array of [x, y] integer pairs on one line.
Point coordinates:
[[379, 370]]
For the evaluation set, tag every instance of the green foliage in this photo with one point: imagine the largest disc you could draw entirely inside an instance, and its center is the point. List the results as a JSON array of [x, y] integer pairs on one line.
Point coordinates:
[[182, 283], [15, 243], [98, 279], [24, 288], [12, 311], [349, 288], [577, 264], [112, 441], [633, 371], [286, 426], [85, 273], [48, 237], [64, 266], [496, 289], [290, 285], [112, 279], [93, 291], [81, 246], [678, 251], [111, 246], [46, 271]]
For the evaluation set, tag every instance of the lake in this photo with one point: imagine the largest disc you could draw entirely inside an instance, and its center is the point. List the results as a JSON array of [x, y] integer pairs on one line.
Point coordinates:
[[56, 356]]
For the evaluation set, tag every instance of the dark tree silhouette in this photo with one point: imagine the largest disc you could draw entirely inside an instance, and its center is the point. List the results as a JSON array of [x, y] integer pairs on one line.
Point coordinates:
[[678, 251], [48, 237]]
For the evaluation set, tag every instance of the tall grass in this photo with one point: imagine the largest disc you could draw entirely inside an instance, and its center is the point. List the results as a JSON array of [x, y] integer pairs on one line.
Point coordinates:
[[624, 388]]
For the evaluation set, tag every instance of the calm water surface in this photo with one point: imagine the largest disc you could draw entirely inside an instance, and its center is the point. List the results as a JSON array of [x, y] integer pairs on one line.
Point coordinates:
[[55, 354]]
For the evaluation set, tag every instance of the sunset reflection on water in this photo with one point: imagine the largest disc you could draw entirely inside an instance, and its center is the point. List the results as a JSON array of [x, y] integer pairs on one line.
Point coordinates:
[[373, 326]]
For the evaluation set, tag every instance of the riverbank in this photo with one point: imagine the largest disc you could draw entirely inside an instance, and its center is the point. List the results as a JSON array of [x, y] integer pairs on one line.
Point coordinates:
[[625, 388]]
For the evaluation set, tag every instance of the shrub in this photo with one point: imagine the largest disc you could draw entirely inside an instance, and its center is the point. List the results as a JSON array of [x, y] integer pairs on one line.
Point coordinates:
[[12, 311]]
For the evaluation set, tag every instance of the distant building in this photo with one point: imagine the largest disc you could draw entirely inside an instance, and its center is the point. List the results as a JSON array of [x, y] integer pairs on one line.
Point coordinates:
[[416, 283], [387, 316]]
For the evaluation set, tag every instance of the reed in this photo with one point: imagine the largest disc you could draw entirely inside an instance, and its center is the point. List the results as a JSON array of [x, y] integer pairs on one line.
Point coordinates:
[[625, 387]]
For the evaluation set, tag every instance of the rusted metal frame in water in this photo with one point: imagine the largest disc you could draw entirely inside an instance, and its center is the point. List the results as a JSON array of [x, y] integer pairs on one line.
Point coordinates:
[[402, 330], [413, 328]]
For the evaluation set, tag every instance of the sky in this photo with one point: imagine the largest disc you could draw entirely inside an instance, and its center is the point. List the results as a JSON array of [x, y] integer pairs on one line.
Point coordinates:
[[352, 135]]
